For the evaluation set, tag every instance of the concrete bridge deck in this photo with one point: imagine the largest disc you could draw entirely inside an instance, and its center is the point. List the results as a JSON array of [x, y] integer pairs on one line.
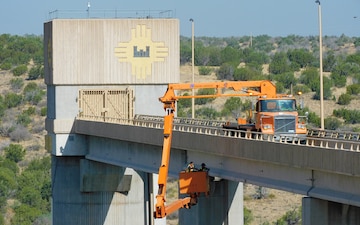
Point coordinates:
[[319, 172]]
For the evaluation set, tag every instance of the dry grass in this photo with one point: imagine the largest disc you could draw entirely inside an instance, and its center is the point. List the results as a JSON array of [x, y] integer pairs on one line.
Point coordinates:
[[271, 208]]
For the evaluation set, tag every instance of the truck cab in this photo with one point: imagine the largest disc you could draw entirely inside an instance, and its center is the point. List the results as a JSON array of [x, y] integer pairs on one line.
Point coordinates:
[[279, 117]]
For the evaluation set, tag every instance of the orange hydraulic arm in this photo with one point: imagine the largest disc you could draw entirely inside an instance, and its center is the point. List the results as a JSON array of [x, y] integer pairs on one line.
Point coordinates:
[[242, 88]]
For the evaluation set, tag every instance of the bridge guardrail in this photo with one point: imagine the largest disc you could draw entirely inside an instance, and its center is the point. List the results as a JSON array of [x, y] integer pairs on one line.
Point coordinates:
[[316, 138]]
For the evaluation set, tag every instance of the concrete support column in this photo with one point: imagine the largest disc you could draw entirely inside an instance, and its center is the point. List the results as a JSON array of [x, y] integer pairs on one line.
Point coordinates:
[[314, 211], [224, 206], [91, 193], [321, 212]]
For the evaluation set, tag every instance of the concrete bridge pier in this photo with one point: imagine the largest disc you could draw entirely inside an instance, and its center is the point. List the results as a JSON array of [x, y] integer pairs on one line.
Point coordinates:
[[224, 206], [322, 212], [92, 193]]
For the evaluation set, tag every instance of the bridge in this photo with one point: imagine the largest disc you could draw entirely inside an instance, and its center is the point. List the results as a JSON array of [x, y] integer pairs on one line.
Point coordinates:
[[106, 143]]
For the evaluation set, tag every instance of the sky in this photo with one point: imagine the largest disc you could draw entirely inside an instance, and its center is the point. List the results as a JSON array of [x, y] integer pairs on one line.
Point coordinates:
[[225, 18]]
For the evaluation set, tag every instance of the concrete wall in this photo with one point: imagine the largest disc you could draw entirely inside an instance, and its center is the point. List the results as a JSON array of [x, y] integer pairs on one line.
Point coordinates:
[[111, 51], [141, 54]]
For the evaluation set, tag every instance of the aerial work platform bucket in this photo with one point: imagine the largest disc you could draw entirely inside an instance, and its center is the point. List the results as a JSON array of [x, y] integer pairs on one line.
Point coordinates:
[[193, 182]]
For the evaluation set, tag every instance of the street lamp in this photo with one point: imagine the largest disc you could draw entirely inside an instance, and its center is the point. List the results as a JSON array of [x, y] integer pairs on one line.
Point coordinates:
[[193, 68], [88, 10], [321, 69]]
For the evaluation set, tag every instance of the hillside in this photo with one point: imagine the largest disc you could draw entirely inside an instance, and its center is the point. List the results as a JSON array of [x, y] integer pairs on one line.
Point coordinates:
[[35, 143], [30, 138]]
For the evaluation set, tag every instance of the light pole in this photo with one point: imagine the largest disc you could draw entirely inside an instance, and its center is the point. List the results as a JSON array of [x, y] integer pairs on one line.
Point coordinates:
[[321, 69], [193, 68], [88, 10]]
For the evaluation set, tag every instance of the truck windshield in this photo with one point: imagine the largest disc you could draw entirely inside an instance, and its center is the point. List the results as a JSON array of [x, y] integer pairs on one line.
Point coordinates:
[[278, 105]]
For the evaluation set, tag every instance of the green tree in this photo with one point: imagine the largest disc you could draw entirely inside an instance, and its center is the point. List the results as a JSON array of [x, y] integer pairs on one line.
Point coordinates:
[[311, 78], [225, 72], [206, 113], [214, 56], [12, 100], [353, 58], [207, 55], [185, 50], [5, 66], [36, 177], [327, 94], [292, 217], [232, 105], [15, 152], [9, 164], [43, 111], [23, 119], [329, 62], [230, 54], [2, 106], [251, 55], [357, 42], [206, 92], [248, 216], [340, 81], [300, 89], [353, 89], [184, 102], [7, 184], [312, 117], [204, 70], [16, 84], [350, 116], [343, 39], [341, 71], [246, 73], [301, 57], [262, 43], [32, 93], [287, 79], [32, 197], [280, 89], [25, 215], [19, 70], [279, 63], [36, 72], [344, 99], [332, 123]]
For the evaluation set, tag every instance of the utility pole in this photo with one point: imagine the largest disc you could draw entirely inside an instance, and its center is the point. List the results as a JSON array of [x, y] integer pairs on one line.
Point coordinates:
[[321, 68], [193, 69]]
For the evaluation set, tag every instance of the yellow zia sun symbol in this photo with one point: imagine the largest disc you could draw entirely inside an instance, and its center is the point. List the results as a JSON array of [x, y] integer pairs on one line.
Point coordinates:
[[141, 52]]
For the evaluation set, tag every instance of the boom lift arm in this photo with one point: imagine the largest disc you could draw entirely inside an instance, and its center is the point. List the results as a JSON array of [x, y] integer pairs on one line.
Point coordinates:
[[246, 88]]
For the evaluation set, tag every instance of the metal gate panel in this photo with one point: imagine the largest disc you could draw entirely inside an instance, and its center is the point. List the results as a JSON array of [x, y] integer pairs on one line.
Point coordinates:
[[119, 104], [103, 105]]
